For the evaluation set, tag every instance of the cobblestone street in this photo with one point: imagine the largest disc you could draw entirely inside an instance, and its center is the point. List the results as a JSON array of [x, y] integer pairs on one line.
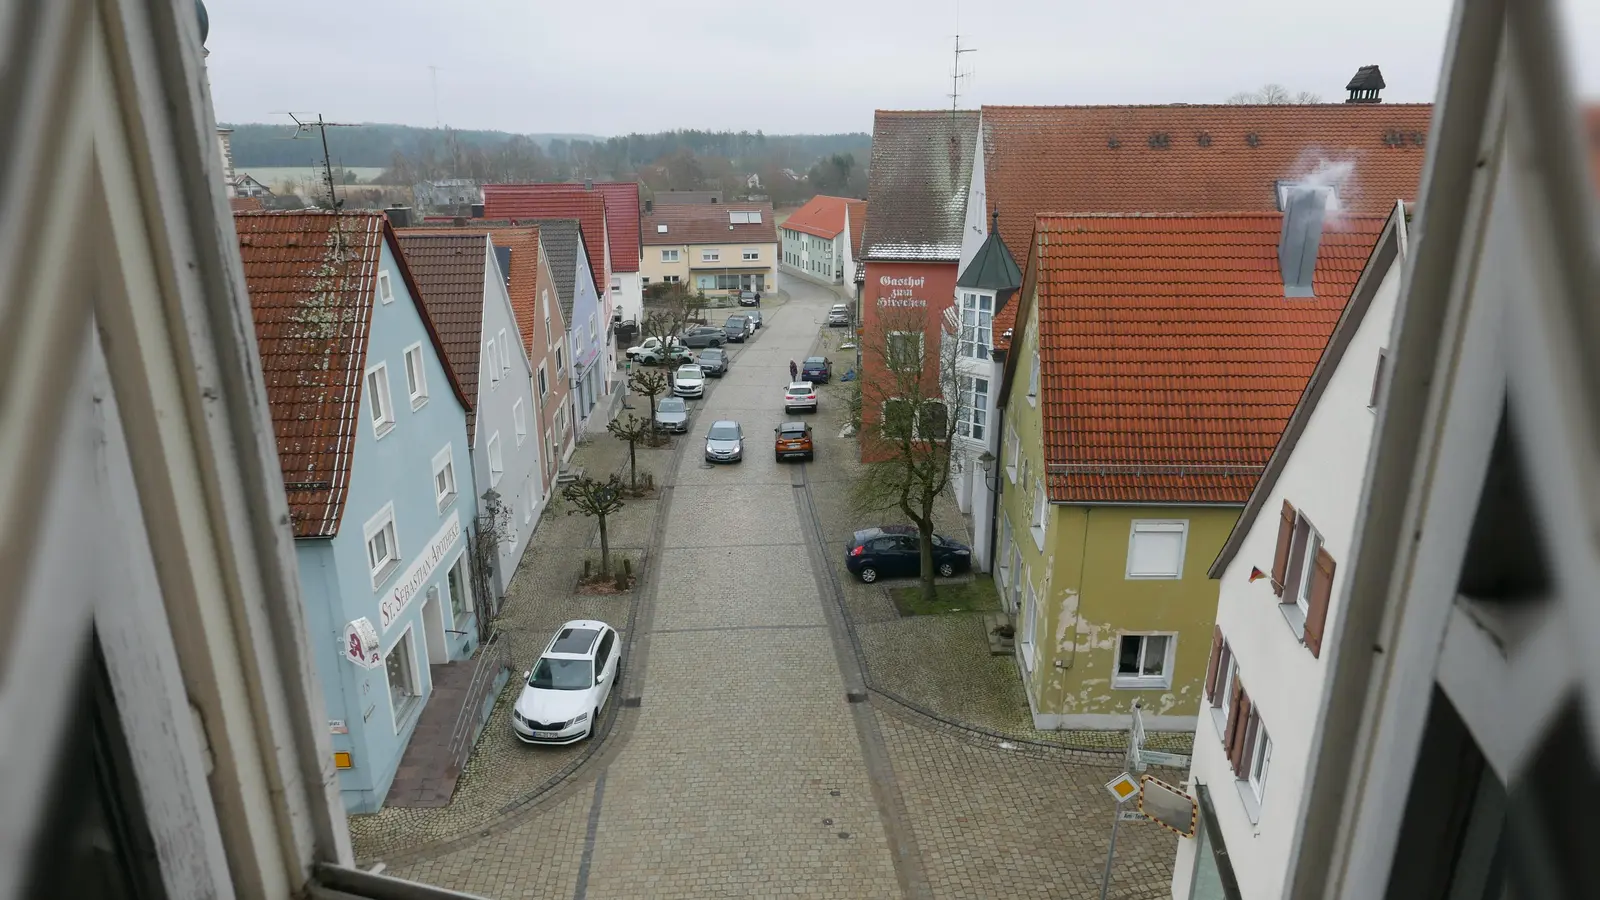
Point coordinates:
[[777, 729]]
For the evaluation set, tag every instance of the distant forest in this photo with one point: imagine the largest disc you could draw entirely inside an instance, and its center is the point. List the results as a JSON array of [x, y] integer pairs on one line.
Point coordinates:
[[673, 160]]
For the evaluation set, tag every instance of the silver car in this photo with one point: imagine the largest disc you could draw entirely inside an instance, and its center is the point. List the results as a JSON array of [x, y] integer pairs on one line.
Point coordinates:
[[754, 315], [672, 414], [724, 442]]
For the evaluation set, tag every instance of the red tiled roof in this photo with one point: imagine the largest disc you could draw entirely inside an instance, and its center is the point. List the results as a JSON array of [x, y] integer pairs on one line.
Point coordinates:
[[1170, 359], [312, 279], [1061, 159], [822, 216], [622, 216], [449, 270], [695, 223], [523, 242], [530, 201], [857, 210], [244, 204]]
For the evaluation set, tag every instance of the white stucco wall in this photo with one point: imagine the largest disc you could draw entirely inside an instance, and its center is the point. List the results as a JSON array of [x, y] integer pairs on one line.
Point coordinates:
[[1323, 478], [977, 224]]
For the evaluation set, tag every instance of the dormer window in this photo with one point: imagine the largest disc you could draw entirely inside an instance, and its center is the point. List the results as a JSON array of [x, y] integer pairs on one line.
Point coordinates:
[[977, 316]]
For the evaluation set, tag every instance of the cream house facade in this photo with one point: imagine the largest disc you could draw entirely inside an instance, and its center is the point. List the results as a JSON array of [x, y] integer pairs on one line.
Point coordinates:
[[718, 249]]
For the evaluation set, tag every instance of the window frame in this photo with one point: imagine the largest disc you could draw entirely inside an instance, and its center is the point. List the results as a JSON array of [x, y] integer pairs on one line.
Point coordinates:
[[415, 364], [399, 715], [379, 397], [1028, 640], [1142, 682], [1157, 526], [497, 464], [750, 254], [1013, 450], [1258, 767], [383, 521], [385, 287], [671, 256], [445, 461], [892, 357], [974, 423], [1033, 379], [710, 256], [505, 352], [519, 421], [561, 359], [544, 379], [494, 370], [975, 339]]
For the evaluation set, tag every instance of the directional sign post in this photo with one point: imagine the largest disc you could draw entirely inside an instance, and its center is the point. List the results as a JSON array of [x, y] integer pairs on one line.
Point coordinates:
[[1123, 788]]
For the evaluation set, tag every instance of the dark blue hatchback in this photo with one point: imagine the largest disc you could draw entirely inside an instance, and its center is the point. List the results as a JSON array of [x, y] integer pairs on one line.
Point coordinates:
[[893, 550]]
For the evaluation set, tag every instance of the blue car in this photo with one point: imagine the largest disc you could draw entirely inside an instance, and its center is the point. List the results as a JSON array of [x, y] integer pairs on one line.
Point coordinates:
[[816, 369], [894, 551]]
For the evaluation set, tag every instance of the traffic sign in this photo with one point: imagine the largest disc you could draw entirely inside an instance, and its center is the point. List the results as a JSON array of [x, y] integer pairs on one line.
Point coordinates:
[[1123, 787]]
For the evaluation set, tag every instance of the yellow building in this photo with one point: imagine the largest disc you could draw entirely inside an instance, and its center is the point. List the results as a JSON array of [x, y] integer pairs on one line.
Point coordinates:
[[1145, 387], [717, 248]]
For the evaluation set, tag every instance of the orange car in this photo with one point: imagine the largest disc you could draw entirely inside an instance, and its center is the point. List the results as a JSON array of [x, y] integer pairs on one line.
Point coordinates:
[[794, 439]]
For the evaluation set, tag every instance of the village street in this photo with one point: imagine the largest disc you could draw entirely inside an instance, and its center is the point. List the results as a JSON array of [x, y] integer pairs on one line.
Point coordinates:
[[749, 750]]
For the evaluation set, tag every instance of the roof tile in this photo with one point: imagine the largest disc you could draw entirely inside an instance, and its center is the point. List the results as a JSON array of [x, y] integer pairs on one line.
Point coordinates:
[[917, 190], [695, 223], [822, 216], [450, 271], [531, 201]]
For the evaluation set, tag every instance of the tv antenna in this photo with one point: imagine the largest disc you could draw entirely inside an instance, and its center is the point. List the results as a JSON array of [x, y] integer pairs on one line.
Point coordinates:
[[322, 127], [955, 70]]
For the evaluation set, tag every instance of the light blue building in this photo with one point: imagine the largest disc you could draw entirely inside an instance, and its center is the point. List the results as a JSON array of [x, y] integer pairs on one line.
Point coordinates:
[[372, 440]]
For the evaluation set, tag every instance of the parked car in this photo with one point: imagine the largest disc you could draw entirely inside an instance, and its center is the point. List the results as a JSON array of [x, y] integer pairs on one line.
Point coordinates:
[[817, 370], [793, 439], [800, 395], [749, 298], [689, 381], [839, 314], [894, 550], [724, 441], [672, 414], [755, 318], [649, 344], [703, 336], [649, 353], [738, 328], [713, 361], [564, 692]]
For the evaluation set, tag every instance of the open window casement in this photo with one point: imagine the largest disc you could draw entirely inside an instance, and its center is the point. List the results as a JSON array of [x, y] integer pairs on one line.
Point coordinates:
[[161, 710]]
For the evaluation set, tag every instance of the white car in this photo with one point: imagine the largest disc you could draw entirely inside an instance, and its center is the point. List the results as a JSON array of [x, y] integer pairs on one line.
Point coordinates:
[[650, 352], [689, 381], [564, 692], [800, 395]]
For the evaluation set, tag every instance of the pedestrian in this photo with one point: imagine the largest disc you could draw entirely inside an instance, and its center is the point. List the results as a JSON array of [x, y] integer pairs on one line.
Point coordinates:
[[794, 370]]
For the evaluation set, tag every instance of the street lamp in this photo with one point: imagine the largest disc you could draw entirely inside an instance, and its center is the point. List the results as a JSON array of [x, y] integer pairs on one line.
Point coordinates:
[[986, 461]]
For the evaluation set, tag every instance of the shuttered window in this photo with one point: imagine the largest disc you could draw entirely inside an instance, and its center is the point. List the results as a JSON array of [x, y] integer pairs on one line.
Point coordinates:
[[1302, 576], [1280, 559]]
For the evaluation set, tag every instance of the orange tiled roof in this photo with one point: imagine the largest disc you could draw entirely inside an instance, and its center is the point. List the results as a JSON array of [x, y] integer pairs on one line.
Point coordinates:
[[523, 242], [857, 211], [622, 215], [527, 201], [312, 279], [245, 204], [1170, 359], [822, 216], [1204, 158]]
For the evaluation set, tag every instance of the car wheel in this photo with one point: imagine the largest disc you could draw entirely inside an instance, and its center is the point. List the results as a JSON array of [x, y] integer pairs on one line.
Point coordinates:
[[868, 574], [810, 455], [946, 569], [594, 721], [777, 457]]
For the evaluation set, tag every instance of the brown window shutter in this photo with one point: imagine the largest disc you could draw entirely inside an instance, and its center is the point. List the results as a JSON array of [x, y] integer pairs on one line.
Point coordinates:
[[1280, 559], [1236, 753], [1233, 716], [1317, 607], [1252, 724], [1214, 664]]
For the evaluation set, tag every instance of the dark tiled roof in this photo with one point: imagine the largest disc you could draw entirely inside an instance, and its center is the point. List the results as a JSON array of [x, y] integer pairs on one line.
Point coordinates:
[[695, 223], [450, 270], [917, 191], [1366, 78], [312, 279], [992, 268], [523, 243], [520, 203], [562, 239], [1170, 359]]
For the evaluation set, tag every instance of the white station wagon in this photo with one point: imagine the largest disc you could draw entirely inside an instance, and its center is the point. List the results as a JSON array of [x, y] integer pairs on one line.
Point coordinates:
[[565, 691]]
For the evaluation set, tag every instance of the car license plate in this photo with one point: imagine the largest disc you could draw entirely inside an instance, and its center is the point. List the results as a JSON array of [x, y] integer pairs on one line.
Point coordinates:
[[546, 734]]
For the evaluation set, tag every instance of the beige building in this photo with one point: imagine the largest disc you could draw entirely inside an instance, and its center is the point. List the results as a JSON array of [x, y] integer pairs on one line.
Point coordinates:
[[718, 248]]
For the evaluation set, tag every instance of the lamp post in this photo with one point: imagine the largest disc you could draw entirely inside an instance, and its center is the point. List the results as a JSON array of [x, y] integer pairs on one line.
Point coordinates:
[[986, 461]]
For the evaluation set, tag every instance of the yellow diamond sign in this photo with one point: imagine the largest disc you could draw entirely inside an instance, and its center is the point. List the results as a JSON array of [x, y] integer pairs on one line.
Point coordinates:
[[1122, 787]]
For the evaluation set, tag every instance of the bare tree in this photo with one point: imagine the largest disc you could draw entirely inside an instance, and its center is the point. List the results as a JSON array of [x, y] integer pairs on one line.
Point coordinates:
[[598, 499], [913, 407], [1274, 95], [652, 383], [664, 325], [633, 430]]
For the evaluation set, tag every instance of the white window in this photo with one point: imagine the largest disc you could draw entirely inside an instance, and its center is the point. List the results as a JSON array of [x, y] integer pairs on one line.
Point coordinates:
[[561, 362], [385, 290], [1041, 512], [505, 352], [710, 255], [416, 376], [1013, 451], [460, 598], [1029, 616], [496, 463], [669, 256], [1155, 549], [405, 691], [974, 407], [378, 399], [383, 549], [444, 477], [527, 499], [751, 253], [1033, 378], [519, 417], [489, 363], [544, 384], [616, 285], [1377, 379], [1260, 744], [672, 279], [904, 350], [592, 332], [1224, 690], [1144, 661], [977, 312], [1310, 542]]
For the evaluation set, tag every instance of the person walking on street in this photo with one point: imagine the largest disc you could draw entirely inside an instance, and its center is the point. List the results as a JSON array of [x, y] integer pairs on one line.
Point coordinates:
[[794, 370]]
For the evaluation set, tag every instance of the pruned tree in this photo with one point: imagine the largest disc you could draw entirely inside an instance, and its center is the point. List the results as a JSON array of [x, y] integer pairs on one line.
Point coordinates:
[[1274, 95], [599, 499], [652, 383], [664, 325], [912, 409], [633, 430]]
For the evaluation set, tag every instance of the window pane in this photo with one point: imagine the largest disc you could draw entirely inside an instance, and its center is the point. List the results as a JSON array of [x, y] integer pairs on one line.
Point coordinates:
[[935, 420], [1155, 654], [1128, 656], [1155, 553], [372, 395]]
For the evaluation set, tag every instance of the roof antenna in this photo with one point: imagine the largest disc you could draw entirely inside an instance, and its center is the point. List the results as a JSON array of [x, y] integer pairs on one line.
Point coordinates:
[[327, 161], [955, 70]]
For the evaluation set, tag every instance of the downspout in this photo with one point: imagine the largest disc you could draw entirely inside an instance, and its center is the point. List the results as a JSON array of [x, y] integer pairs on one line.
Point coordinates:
[[998, 489]]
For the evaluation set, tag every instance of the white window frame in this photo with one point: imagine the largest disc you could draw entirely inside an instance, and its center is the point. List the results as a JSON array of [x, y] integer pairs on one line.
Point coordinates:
[[416, 370], [1027, 642], [544, 379], [1260, 762], [1144, 682], [975, 418], [494, 370], [1308, 545], [1013, 450], [519, 419], [497, 465], [1224, 689], [593, 333], [1039, 521], [445, 461], [466, 589], [671, 256], [382, 522], [527, 499], [710, 256], [385, 287], [1157, 526], [1033, 380], [408, 639], [378, 396], [893, 358], [977, 317], [751, 254], [505, 352]]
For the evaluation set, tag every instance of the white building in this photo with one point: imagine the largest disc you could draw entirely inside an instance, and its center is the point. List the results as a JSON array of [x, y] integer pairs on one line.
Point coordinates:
[[1268, 658]]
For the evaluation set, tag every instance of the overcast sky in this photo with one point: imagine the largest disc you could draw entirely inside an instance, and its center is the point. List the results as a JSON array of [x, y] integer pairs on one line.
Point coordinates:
[[613, 66]]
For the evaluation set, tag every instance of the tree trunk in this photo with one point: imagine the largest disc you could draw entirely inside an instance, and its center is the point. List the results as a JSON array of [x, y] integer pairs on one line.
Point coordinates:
[[605, 548], [633, 464]]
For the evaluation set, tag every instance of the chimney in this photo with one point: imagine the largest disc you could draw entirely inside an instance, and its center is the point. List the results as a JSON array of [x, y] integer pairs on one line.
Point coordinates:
[[1303, 211], [459, 221], [399, 216], [1366, 84], [588, 184], [647, 205], [477, 210]]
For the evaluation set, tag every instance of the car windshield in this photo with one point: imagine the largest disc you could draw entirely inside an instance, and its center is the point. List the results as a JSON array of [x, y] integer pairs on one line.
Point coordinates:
[[712, 355], [736, 320], [554, 674], [689, 372], [670, 405], [723, 432], [793, 434], [800, 387], [816, 361]]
